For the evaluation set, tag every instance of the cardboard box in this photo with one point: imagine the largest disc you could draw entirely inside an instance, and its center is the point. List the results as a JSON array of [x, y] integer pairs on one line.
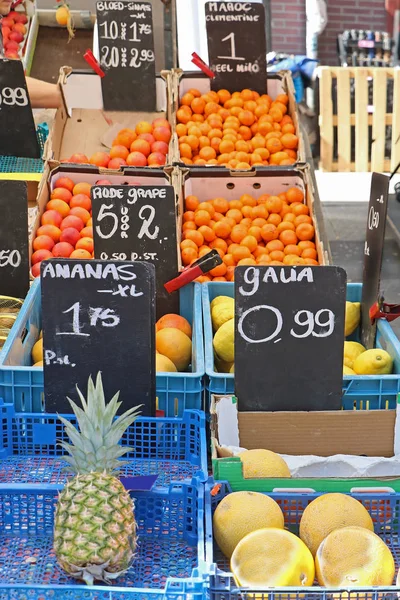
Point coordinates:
[[277, 83], [369, 433], [206, 183], [81, 125]]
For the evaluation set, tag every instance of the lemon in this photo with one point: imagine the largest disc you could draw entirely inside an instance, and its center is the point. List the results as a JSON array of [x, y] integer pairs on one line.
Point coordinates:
[[232, 369], [37, 351], [38, 364], [351, 351], [221, 365], [353, 316], [373, 362], [220, 299], [224, 341], [221, 313], [348, 371], [272, 558]]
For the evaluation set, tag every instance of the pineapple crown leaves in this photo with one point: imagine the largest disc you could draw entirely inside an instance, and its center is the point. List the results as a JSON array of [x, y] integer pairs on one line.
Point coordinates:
[[95, 447]]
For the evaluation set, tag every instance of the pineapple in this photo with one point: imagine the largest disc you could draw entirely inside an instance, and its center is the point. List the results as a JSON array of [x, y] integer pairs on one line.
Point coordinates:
[[94, 525]]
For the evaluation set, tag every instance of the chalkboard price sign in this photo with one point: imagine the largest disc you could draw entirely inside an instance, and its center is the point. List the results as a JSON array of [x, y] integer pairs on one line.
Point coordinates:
[[103, 319], [14, 254], [236, 45], [139, 223], [126, 46], [373, 253], [17, 131], [289, 336]]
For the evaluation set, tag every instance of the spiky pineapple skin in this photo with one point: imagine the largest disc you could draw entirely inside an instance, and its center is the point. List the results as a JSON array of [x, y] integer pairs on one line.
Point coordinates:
[[95, 525]]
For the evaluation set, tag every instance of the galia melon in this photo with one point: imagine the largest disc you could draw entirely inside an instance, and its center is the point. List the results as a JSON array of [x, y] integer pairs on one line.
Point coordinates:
[[329, 512], [263, 463], [240, 513]]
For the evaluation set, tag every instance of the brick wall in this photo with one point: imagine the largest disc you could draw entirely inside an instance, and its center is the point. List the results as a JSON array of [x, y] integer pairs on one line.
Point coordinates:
[[289, 24]]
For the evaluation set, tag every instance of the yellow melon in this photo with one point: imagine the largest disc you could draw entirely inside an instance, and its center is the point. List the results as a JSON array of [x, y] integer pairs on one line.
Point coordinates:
[[164, 364], [354, 557], [329, 512], [272, 558], [241, 513], [263, 463], [175, 345]]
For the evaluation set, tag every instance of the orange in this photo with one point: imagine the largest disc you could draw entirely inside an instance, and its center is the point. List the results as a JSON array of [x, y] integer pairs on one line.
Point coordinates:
[[222, 229], [311, 261], [288, 237], [207, 153], [276, 263], [278, 158], [309, 253], [260, 251], [269, 232], [219, 278], [182, 115], [274, 145], [230, 273], [226, 146], [221, 205], [240, 253], [263, 198], [188, 244], [80, 200], [211, 108], [228, 260], [259, 211], [119, 152], [246, 222], [59, 205], [236, 204], [250, 241], [246, 262], [203, 279], [305, 231], [204, 128], [194, 130], [274, 204], [275, 245], [246, 94], [215, 133], [276, 114], [214, 144], [294, 194], [306, 244], [286, 226], [280, 106], [223, 96], [264, 259], [185, 151], [287, 161], [289, 218], [283, 98], [82, 188], [277, 255], [207, 232], [302, 219], [125, 138], [199, 161], [245, 132], [238, 233], [188, 255], [235, 214], [206, 206], [219, 244], [187, 99], [189, 225], [298, 209], [293, 260], [223, 159], [259, 222], [202, 217], [224, 113], [246, 117], [291, 153], [230, 220], [217, 217], [195, 236], [191, 202], [285, 210], [188, 216], [203, 250], [204, 141], [288, 128], [273, 134], [246, 211], [264, 128], [82, 213], [198, 105], [242, 146], [274, 219], [255, 232], [292, 249], [248, 200]]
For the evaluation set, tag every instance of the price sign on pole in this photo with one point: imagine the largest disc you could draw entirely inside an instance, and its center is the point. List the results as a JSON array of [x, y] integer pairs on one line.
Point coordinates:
[[14, 254], [237, 46], [289, 336], [17, 130], [139, 223], [126, 45], [373, 253], [98, 316]]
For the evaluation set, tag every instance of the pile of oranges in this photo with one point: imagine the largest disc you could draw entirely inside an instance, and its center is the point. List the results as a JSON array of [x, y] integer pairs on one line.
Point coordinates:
[[269, 230], [236, 130]]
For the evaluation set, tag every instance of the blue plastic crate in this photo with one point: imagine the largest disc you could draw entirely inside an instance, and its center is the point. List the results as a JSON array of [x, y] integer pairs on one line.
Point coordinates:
[[384, 509], [361, 392], [170, 545], [173, 448], [16, 164], [22, 384]]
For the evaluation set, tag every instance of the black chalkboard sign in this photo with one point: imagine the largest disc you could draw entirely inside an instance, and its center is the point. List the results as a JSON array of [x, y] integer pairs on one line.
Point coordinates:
[[289, 336], [17, 131], [373, 253], [139, 223], [14, 253], [236, 45], [126, 47], [98, 316]]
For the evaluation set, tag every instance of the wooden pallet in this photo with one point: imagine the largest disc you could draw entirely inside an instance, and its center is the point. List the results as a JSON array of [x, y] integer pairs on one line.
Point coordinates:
[[368, 153]]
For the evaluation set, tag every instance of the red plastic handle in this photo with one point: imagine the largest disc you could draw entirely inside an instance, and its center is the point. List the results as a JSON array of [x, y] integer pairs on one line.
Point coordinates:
[[93, 63], [202, 65]]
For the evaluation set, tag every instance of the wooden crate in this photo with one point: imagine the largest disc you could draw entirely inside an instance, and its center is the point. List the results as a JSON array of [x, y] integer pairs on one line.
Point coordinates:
[[359, 136]]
